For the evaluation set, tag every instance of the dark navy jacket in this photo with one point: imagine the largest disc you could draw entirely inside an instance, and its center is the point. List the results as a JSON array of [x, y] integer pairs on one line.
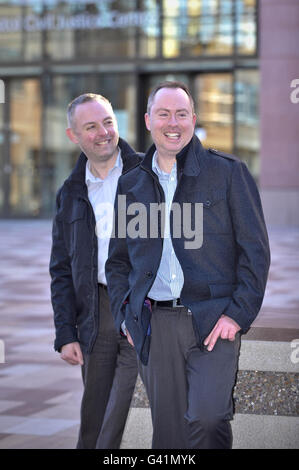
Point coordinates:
[[74, 258], [226, 275]]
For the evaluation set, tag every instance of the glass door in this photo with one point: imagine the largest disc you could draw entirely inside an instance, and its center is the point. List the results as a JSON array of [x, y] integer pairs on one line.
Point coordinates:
[[3, 192], [20, 146], [214, 102]]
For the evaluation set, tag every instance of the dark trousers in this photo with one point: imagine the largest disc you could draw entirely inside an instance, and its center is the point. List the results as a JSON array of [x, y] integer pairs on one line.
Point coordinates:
[[109, 376], [189, 390]]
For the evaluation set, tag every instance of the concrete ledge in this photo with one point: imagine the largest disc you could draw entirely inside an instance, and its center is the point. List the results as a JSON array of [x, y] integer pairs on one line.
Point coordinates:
[[265, 432], [249, 431], [268, 356], [271, 334]]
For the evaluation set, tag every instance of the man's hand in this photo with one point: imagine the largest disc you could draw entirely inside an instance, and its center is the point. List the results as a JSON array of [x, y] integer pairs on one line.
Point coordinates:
[[72, 354], [225, 328]]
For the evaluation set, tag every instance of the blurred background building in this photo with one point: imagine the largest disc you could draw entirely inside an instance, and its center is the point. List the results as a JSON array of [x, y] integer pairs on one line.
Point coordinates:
[[240, 59]]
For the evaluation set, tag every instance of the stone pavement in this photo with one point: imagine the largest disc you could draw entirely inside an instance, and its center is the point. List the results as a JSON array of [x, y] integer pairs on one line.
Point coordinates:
[[40, 394]]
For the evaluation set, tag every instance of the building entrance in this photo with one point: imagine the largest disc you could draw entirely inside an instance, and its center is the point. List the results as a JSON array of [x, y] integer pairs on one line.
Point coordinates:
[[20, 148]]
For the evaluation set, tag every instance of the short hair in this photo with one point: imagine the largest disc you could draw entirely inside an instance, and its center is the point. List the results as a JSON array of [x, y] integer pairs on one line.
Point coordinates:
[[85, 98], [168, 84]]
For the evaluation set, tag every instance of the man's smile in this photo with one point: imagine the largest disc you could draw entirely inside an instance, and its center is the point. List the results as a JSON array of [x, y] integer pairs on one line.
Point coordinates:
[[103, 142], [172, 135]]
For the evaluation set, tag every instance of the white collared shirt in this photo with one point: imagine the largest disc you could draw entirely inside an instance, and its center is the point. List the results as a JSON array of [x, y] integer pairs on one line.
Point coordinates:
[[101, 194]]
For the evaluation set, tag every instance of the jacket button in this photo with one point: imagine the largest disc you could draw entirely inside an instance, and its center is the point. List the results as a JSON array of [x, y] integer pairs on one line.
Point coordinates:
[[208, 203], [149, 274], [135, 317]]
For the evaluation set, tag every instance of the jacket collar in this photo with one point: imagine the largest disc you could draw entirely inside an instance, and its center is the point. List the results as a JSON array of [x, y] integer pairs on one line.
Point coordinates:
[[129, 157], [188, 159]]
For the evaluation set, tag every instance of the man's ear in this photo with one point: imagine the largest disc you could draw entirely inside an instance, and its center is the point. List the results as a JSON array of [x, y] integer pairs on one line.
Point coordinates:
[[194, 120], [147, 121], [71, 135]]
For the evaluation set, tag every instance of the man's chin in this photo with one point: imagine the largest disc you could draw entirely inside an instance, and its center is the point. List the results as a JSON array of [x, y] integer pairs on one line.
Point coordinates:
[[105, 156]]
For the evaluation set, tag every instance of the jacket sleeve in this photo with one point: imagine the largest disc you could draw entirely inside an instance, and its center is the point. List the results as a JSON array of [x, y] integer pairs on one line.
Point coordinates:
[[251, 237], [118, 267], [62, 290]]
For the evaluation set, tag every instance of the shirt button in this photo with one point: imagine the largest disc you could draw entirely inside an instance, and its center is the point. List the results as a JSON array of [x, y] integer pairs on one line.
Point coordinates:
[[173, 276]]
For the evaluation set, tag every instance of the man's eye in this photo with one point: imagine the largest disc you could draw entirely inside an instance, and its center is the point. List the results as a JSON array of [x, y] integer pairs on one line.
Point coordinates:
[[90, 127]]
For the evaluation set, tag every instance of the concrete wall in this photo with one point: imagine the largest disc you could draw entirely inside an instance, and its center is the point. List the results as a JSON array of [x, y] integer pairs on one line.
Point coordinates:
[[279, 67]]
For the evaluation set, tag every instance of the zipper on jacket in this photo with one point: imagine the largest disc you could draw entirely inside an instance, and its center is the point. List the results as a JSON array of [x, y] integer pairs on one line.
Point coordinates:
[[91, 223], [161, 193], [162, 199]]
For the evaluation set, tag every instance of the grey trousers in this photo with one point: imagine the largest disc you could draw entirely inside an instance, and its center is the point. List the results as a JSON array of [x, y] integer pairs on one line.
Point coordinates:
[[189, 390], [109, 376]]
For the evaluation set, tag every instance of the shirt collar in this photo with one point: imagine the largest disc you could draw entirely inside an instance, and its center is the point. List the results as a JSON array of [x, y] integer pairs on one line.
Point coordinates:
[[90, 178], [157, 169]]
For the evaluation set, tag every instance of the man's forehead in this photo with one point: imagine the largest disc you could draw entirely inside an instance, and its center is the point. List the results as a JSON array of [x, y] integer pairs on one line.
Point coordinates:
[[95, 104], [177, 108], [91, 110], [169, 97]]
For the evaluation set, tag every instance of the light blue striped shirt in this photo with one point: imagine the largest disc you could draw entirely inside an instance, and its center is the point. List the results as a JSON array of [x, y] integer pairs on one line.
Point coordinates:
[[170, 278]]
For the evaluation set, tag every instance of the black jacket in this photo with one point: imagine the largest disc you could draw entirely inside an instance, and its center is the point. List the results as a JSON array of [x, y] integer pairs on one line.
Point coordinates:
[[74, 258], [227, 274]]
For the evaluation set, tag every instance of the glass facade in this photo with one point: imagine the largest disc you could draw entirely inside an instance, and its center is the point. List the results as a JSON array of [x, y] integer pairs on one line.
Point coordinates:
[[247, 142], [51, 51], [65, 30], [214, 98]]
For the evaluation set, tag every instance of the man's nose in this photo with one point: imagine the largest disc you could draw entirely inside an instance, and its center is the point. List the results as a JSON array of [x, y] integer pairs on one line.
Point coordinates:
[[102, 129], [172, 120]]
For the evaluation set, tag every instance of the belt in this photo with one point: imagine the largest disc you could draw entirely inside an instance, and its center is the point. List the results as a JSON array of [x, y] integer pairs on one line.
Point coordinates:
[[166, 303], [103, 286]]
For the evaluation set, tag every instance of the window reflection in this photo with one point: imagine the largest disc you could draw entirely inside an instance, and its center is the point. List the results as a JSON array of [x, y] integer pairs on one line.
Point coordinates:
[[247, 140], [126, 28], [20, 38], [149, 33], [2, 157], [104, 28], [197, 27], [246, 26], [25, 146], [214, 104]]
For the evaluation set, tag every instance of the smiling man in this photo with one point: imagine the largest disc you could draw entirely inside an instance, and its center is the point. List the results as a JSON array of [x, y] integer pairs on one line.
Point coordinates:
[[184, 306], [85, 332]]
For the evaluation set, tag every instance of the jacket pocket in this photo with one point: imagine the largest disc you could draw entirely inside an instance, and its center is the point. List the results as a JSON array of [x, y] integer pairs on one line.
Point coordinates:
[[75, 228], [213, 198], [216, 214], [75, 212]]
